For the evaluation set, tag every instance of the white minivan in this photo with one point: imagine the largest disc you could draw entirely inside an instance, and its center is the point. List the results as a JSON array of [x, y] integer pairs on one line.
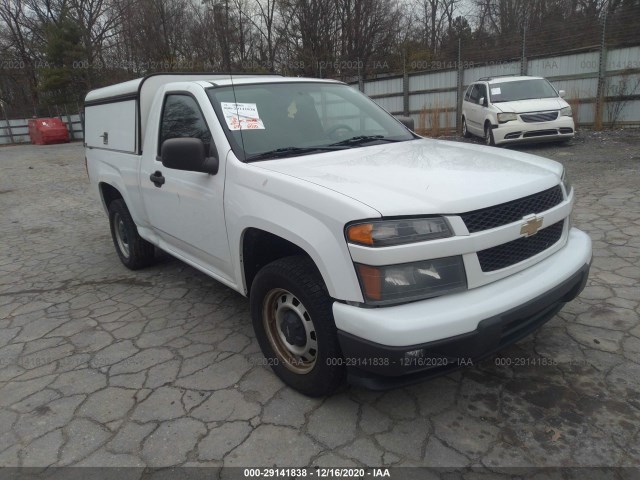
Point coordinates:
[[510, 109]]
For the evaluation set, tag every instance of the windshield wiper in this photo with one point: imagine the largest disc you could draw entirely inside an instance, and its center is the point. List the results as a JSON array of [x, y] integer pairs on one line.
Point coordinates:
[[290, 151], [360, 139], [343, 144]]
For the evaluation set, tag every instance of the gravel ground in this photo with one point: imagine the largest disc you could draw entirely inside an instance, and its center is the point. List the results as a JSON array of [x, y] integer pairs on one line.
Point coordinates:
[[103, 366]]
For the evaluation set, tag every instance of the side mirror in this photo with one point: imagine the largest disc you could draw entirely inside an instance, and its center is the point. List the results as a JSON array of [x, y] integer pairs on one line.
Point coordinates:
[[188, 154], [482, 101], [562, 93], [407, 122]]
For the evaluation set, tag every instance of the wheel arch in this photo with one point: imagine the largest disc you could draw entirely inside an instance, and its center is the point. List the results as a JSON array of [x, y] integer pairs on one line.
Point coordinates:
[[489, 120], [260, 247], [108, 193]]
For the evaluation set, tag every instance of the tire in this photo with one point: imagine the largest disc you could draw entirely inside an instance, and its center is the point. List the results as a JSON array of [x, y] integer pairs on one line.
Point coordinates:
[[133, 250], [488, 135], [292, 317], [465, 130]]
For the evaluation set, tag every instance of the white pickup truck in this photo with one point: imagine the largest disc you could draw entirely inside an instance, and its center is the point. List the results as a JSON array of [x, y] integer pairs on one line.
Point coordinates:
[[368, 253]]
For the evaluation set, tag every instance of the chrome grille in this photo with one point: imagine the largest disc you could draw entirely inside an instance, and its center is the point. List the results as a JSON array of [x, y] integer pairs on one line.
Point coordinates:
[[510, 212], [539, 117]]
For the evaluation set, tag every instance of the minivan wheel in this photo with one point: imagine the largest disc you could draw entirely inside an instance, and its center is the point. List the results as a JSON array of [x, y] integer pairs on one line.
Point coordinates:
[[488, 135], [134, 251], [465, 131], [292, 317]]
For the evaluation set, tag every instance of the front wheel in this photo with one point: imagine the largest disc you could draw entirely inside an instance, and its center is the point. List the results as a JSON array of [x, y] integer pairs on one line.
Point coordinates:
[[134, 251], [465, 130], [292, 317], [488, 135]]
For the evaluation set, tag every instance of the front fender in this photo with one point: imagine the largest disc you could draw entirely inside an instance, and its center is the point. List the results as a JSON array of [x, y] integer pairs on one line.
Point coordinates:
[[305, 214]]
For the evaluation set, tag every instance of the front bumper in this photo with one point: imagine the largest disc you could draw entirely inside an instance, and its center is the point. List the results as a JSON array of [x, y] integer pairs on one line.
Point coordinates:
[[456, 330], [518, 131]]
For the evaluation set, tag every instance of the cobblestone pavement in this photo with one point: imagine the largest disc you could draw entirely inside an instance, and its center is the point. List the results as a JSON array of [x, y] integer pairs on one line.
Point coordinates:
[[103, 366]]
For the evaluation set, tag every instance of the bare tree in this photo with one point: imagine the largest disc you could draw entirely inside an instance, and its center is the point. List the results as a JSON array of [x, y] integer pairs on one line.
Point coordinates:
[[311, 34], [157, 32], [437, 17], [271, 25], [18, 39], [120, 39], [367, 30], [244, 37]]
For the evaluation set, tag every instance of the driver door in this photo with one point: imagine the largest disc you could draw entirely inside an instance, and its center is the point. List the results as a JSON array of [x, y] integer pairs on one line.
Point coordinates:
[[187, 211]]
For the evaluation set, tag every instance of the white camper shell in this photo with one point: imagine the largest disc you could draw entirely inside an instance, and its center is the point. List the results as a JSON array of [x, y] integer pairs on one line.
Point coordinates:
[[116, 116]]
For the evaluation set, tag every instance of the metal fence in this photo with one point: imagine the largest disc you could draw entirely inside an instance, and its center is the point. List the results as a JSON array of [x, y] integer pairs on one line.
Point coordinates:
[[603, 87]]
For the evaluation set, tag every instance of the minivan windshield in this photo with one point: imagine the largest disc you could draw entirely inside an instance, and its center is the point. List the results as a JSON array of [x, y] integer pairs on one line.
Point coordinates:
[[521, 90], [274, 120]]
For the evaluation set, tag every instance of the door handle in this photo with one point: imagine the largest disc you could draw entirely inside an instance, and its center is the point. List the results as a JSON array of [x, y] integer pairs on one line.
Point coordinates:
[[157, 178]]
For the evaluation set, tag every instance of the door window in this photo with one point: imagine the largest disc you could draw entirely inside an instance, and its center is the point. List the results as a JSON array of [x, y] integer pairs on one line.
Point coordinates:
[[474, 97], [468, 93], [482, 93], [182, 117]]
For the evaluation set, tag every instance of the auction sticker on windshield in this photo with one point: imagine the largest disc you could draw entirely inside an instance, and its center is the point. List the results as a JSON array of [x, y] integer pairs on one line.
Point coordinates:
[[242, 116]]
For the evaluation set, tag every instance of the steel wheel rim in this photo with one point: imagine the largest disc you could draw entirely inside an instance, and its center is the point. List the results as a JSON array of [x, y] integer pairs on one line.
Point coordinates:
[[487, 135], [464, 127], [121, 234], [298, 359]]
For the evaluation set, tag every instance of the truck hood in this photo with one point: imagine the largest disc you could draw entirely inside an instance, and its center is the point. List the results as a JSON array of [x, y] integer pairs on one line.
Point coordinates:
[[424, 176], [532, 105]]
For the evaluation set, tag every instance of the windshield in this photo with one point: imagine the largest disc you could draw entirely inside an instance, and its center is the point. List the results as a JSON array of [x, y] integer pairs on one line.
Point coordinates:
[[276, 120], [521, 90]]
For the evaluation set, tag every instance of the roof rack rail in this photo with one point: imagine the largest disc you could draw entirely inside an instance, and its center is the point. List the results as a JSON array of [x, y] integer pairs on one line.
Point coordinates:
[[498, 76]]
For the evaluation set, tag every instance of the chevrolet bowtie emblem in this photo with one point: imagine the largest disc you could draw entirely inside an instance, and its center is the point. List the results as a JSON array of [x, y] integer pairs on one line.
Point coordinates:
[[531, 226]]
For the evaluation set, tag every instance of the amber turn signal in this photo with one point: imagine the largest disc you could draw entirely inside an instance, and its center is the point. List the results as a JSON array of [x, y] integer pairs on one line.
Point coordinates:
[[361, 233]]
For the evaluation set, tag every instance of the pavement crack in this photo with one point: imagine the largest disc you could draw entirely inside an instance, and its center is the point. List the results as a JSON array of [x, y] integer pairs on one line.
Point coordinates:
[[69, 285]]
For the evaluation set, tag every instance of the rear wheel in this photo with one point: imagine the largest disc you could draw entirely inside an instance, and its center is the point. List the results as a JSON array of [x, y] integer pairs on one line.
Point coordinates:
[[488, 135], [133, 250], [292, 317]]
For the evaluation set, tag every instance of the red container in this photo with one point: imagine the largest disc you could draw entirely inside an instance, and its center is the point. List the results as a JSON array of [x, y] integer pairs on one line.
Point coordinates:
[[44, 131]]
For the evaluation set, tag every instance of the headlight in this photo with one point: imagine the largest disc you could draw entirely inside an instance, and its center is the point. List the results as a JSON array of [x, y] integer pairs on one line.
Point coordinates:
[[398, 232], [411, 281], [566, 182], [506, 117], [566, 112]]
